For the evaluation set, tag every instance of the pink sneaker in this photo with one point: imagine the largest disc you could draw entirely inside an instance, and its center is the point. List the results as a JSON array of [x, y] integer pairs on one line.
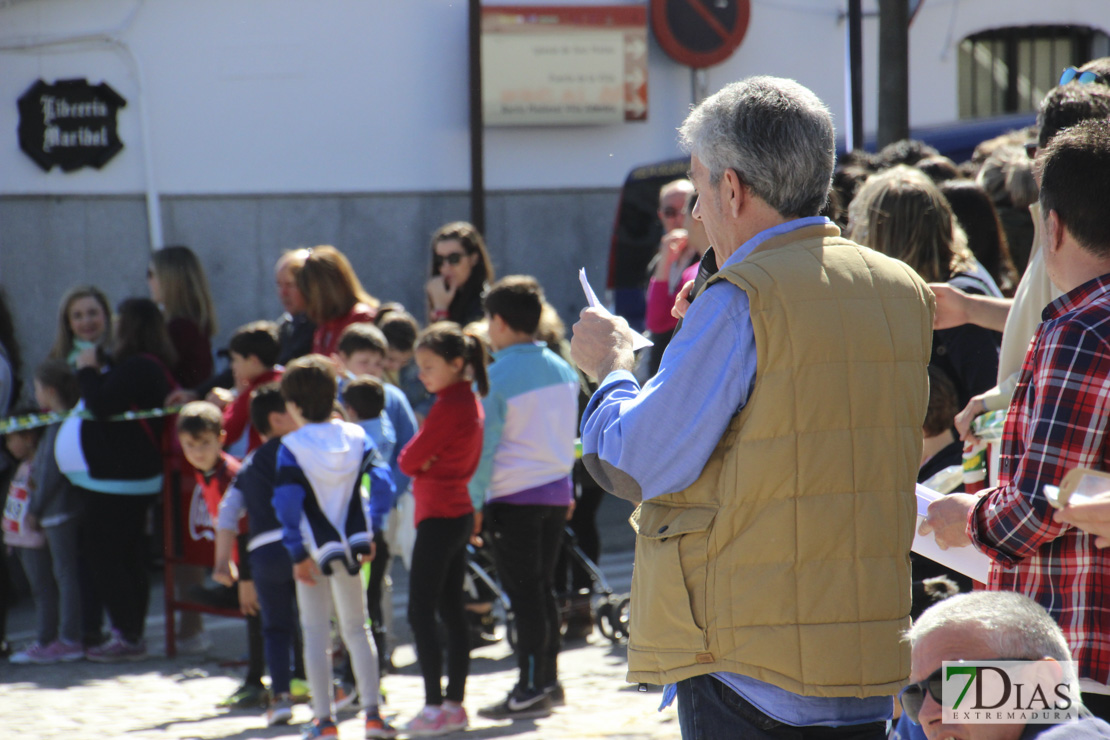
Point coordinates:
[[61, 651], [430, 722], [117, 650], [454, 718]]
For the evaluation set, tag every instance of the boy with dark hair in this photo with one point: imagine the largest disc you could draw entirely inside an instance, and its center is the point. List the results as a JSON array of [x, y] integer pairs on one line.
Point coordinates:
[[364, 404], [362, 350], [320, 469], [254, 350], [252, 494], [400, 329], [201, 435], [524, 479]]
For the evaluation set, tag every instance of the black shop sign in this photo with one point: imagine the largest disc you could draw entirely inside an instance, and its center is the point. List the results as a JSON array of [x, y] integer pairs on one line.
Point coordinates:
[[70, 123]]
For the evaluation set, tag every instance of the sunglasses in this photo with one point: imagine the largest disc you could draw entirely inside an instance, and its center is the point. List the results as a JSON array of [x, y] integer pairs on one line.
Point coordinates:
[[453, 259], [913, 696], [1072, 74], [671, 212]]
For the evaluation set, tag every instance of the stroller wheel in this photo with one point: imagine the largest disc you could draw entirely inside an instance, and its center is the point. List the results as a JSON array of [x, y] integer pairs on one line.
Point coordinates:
[[612, 618], [621, 619]]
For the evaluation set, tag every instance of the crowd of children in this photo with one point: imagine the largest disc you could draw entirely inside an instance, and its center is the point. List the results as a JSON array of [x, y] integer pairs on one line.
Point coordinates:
[[299, 468]]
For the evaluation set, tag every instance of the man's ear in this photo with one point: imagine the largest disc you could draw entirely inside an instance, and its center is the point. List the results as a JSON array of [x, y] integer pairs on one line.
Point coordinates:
[[735, 192], [1053, 231]]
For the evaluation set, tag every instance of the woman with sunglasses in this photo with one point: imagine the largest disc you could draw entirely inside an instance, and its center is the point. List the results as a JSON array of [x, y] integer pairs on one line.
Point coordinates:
[[461, 271]]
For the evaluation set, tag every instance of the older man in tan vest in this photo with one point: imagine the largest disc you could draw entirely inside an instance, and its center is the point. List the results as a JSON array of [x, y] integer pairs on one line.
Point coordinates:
[[774, 454]]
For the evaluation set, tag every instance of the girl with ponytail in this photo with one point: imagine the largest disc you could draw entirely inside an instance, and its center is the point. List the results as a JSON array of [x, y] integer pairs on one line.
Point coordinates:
[[441, 459]]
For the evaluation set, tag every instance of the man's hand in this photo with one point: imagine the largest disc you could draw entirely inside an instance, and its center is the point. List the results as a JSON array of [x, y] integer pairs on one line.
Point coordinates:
[[948, 519], [1093, 517], [963, 420], [601, 343], [682, 301], [952, 306], [248, 598], [672, 246], [306, 571]]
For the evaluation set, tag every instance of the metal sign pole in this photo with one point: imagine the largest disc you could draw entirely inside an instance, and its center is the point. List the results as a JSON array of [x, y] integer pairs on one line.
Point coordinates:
[[477, 172]]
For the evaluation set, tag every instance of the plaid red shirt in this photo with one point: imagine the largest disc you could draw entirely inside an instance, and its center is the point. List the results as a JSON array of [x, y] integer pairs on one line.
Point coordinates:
[[1058, 420]]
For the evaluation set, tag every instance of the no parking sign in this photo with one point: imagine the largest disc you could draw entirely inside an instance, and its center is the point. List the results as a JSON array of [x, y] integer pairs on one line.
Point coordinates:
[[700, 33]]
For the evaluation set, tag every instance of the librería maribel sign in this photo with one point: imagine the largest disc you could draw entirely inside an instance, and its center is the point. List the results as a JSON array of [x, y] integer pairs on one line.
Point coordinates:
[[69, 123]]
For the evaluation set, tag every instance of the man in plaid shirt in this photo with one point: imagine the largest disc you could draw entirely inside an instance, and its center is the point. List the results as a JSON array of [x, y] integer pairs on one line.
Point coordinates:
[[1059, 419]]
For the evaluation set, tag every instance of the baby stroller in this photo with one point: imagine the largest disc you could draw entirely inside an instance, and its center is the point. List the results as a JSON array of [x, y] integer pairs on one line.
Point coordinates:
[[610, 610]]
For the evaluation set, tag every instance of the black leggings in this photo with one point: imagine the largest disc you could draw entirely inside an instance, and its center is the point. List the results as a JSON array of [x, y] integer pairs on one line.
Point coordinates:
[[114, 539], [526, 543], [436, 584]]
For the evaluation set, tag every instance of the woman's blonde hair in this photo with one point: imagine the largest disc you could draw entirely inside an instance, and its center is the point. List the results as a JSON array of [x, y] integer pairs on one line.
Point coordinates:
[[901, 213], [329, 285], [63, 340], [185, 292]]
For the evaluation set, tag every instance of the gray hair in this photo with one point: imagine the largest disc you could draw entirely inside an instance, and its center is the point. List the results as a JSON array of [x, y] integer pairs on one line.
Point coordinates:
[[1013, 626], [775, 133]]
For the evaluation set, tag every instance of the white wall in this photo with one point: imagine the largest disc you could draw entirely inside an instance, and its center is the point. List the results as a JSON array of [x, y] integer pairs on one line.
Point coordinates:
[[335, 96]]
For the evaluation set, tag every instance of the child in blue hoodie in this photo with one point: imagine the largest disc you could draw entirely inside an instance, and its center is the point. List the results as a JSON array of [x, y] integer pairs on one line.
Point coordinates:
[[328, 526]]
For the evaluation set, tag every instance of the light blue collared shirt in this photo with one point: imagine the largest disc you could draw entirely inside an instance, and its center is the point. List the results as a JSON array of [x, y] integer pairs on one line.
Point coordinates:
[[661, 436]]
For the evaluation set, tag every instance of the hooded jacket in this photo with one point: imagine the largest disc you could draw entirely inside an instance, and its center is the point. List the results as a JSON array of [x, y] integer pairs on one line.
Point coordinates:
[[319, 497]]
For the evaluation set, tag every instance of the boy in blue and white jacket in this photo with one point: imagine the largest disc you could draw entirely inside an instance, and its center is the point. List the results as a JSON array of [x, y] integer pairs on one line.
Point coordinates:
[[524, 479], [328, 528]]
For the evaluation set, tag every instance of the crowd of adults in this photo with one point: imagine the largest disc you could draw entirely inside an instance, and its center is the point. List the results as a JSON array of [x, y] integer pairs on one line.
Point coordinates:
[[830, 334]]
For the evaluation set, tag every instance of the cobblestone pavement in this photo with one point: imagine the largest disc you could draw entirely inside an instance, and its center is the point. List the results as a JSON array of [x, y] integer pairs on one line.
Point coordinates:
[[162, 699]]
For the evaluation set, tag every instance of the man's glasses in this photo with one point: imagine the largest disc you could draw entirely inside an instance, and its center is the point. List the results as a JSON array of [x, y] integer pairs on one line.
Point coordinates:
[[452, 259], [672, 212], [913, 696], [1071, 74]]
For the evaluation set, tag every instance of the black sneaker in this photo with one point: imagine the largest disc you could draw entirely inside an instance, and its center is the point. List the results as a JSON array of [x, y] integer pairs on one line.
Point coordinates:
[[519, 704], [556, 694]]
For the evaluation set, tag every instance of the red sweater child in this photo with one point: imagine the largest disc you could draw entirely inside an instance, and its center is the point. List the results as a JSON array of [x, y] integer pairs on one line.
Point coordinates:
[[215, 483], [444, 454], [237, 414]]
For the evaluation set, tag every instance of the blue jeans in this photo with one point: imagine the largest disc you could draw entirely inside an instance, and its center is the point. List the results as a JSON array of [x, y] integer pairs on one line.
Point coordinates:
[[708, 709], [272, 571]]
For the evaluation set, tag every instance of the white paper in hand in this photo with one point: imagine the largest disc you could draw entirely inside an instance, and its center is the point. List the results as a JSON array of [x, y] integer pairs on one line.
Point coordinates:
[[639, 341], [966, 560]]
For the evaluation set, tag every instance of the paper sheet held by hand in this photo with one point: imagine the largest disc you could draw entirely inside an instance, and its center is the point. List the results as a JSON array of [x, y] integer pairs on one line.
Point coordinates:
[[966, 560], [639, 341]]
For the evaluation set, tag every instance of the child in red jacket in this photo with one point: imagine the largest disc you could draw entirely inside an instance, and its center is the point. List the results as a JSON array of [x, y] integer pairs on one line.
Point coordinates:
[[254, 349], [440, 459]]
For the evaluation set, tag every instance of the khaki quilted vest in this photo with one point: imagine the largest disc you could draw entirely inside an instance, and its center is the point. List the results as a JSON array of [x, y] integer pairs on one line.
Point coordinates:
[[787, 560]]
